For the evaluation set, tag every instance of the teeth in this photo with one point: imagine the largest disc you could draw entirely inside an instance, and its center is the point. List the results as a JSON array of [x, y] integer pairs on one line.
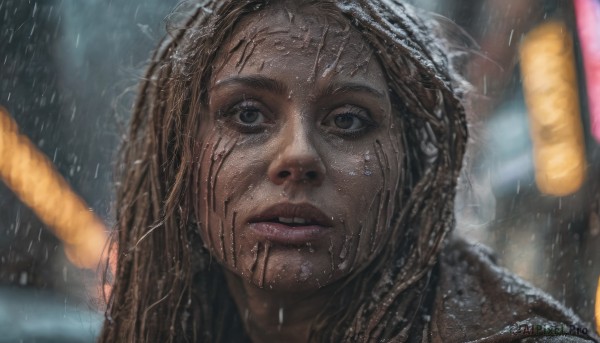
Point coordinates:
[[299, 220], [294, 220], [286, 220]]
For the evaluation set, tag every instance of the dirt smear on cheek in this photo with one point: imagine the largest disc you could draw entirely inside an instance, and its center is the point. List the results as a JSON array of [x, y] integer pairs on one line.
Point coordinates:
[[254, 252], [219, 152], [381, 209], [222, 156], [375, 229], [217, 160], [346, 246], [330, 251], [356, 248], [222, 241], [208, 183], [386, 206], [232, 240], [361, 234], [261, 280], [197, 176]]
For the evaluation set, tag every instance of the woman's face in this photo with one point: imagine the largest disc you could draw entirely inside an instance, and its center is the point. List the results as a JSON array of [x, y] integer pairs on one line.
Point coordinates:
[[299, 152]]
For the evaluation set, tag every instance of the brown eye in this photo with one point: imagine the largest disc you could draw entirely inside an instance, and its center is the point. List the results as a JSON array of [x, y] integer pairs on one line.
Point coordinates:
[[348, 122]]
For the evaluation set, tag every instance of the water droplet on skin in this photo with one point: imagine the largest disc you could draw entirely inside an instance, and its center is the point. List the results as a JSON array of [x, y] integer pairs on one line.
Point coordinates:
[[304, 271]]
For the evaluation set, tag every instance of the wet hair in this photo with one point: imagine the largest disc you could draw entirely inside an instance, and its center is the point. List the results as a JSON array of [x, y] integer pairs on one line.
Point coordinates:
[[167, 290]]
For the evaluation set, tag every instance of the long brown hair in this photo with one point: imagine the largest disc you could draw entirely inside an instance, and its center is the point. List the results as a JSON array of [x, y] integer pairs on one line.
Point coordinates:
[[167, 290]]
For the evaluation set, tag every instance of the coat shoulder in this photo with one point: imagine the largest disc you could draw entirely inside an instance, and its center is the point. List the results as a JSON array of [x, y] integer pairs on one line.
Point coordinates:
[[478, 301]]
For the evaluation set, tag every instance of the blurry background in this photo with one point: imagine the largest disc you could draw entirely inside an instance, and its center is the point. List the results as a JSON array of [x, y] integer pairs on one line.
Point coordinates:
[[66, 66], [63, 65]]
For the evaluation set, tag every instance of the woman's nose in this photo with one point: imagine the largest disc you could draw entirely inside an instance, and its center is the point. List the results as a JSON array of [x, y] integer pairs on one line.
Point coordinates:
[[297, 162]]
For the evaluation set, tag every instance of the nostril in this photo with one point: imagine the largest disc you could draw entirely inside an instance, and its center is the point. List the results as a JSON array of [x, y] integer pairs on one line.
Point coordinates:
[[311, 175], [283, 174]]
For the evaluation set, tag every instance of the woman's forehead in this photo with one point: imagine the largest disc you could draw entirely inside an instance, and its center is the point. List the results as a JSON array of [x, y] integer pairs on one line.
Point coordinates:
[[294, 20], [298, 41]]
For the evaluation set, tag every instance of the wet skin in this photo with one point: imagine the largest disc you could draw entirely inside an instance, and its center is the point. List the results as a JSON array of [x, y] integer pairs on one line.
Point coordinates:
[[299, 124]]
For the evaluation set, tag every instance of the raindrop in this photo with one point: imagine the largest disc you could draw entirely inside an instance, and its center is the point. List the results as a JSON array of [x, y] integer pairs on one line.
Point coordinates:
[[304, 271], [23, 279], [18, 221], [484, 84], [280, 317], [560, 203]]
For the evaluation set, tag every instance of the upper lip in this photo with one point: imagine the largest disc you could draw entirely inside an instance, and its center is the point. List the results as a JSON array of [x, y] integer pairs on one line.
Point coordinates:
[[288, 210]]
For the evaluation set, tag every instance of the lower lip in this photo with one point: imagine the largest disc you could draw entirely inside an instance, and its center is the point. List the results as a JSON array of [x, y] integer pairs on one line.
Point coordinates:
[[281, 233]]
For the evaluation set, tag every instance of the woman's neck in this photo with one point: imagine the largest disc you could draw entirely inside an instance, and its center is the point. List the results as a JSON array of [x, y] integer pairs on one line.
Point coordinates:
[[276, 316]]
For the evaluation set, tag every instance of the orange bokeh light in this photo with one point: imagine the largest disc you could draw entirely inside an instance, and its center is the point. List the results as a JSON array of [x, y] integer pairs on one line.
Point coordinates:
[[33, 178]]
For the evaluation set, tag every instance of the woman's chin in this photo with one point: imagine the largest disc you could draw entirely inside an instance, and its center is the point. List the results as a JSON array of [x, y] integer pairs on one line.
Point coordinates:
[[290, 269]]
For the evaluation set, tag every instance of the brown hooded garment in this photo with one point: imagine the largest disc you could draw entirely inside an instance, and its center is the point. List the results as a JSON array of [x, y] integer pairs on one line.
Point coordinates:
[[476, 301]]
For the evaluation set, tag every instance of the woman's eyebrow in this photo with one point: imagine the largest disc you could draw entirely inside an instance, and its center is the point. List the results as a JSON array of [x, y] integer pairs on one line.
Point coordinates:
[[350, 87], [254, 81]]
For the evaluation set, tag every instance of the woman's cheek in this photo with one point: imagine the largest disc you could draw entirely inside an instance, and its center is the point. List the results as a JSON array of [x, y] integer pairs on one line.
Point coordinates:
[[216, 224], [371, 182]]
